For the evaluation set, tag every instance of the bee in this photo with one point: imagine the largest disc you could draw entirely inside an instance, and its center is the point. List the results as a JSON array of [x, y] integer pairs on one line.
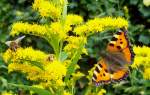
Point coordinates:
[[50, 58], [14, 44]]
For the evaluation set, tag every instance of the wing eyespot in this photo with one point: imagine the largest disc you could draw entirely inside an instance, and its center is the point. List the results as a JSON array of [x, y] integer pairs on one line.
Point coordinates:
[[118, 47], [114, 39], [97, 69], [100, 65], [106, 71], [103, 74], [121, 42], [118, 33], [94, 76], [111, 44]]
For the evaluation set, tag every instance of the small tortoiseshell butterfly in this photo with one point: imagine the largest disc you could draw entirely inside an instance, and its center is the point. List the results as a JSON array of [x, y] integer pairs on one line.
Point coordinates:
[[114, 65]]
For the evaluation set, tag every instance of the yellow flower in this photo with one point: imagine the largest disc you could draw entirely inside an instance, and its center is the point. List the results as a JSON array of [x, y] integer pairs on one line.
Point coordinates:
[[59, 82], [100, 24], [76, 40], [51, 75], [7, 55], [47, 8], [56, 30], [146, 73], [23, 59], [74, 43], [66, 93], [7, 93], [24, 68], [142, 57], [29, 54], [73, 19], [56, 70], [80, 30], [33, 64], [26, 28], [77, 75], [101, 92]]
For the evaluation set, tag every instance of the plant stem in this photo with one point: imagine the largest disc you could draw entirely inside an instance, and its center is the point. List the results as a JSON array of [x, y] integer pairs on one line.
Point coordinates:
[[64, 13], [63, 19]]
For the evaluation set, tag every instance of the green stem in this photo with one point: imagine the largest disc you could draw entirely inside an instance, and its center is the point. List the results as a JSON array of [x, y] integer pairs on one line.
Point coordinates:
[[60, 50], [64, 13], [55, 45], [63, 19], [74, 60]]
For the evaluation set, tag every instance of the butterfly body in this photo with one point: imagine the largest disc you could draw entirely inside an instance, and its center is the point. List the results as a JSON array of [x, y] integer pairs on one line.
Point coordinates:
[[114, 64]]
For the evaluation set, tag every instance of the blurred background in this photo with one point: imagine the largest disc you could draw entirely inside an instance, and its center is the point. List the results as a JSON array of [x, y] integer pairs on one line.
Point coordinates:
[[137, 12]]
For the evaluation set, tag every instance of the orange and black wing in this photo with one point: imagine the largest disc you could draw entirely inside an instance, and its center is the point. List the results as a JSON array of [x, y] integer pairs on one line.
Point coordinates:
[[120, 45], [114, 65], [101, 74]]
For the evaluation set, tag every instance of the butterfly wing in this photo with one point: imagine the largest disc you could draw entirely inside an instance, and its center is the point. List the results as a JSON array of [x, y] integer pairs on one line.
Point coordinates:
[[114, 65], [119, 74], [101, 74], [120, 44]]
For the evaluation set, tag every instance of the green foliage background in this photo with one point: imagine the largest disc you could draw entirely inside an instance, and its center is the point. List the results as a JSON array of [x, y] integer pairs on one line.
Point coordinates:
[[135, 11]]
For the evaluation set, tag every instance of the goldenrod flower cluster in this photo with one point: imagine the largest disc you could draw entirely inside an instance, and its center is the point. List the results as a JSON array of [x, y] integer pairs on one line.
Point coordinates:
[[26, 28], [45, 31], [7, 55], [73, 19], [25, 68], [52, 74], [24, 54], [47, 8], [100, 24], [74, 44], [142, 59], [56, 29], [102, 92], [34, 64]]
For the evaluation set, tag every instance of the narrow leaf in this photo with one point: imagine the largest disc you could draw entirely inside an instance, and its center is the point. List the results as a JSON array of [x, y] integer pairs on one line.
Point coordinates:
[[39, 91]]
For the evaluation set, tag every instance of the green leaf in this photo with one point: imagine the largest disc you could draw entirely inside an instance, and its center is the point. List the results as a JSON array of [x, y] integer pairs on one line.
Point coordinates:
[[38, 64], [144, 10], [39, 91], [74, 60], [133, 2], [4, 82], [3, 46], [144, 39], [133, 89], [63, 56]]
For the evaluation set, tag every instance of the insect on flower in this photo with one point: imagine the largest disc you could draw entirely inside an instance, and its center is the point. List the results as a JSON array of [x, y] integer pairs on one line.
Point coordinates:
[[14, 44], [114, 66], [50, 58]]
